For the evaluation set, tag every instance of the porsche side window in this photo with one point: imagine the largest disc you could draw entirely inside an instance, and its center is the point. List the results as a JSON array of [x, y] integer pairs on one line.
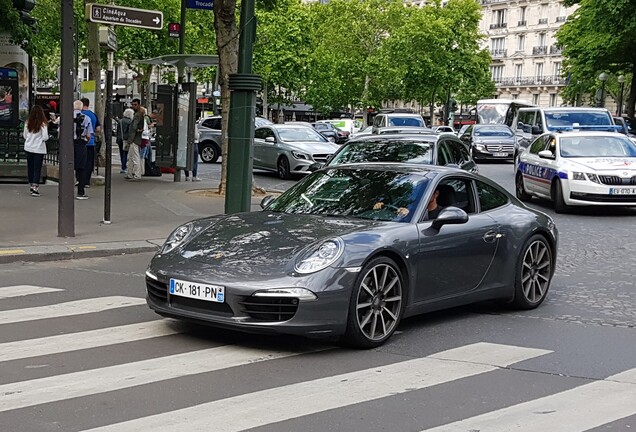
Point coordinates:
[[489, 197], [461, 195]]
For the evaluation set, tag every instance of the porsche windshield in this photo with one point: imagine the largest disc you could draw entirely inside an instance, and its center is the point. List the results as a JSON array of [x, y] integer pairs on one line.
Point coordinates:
[[385, 151], [359, 193], [597, 146]]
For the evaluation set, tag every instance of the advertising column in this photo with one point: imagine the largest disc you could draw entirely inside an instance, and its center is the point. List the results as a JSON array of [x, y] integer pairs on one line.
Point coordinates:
[[14, 57]]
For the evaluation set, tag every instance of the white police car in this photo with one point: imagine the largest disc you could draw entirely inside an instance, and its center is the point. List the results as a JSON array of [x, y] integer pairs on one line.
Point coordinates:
[[577, 169]]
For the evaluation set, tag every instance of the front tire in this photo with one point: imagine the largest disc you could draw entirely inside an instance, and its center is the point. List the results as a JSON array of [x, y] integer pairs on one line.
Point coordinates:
[[376, 305], [209, 152], [533, 273], [283, 168], [557, 196]]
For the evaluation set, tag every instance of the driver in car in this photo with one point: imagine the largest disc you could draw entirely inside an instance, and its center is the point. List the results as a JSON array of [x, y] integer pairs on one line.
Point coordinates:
[[401, 211]]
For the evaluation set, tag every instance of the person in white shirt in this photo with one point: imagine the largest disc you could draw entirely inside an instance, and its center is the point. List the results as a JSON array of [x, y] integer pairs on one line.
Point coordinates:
[[35, 136]]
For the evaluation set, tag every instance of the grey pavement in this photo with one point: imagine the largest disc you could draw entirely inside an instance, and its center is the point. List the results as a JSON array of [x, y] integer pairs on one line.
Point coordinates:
[[142, 215]]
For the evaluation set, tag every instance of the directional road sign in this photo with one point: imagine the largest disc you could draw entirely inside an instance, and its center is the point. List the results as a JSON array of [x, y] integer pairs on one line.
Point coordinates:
[[124, 16]]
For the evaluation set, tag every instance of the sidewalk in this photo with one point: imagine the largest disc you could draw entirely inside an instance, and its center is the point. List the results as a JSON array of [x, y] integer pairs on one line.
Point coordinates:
[[143, 214]]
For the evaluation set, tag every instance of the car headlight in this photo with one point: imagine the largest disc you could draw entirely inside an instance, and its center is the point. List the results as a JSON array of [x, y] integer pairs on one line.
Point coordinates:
[[299, 293], [177, 238], [480, 147], [319, 258], [578, 176], [594, 178], [298, 155]]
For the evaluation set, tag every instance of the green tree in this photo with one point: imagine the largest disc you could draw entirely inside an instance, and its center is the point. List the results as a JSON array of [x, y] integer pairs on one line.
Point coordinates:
[[599, 36]]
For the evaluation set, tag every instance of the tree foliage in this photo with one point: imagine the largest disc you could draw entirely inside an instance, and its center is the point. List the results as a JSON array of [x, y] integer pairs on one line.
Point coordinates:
[[600, 36]]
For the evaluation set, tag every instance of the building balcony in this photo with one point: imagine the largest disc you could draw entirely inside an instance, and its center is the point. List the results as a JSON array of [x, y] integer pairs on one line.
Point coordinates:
[[522, 23], [530, 81], [557, 50], [499, 53], [561, 19], [543, 20], [485, 2], [540, 50], [498, 26]]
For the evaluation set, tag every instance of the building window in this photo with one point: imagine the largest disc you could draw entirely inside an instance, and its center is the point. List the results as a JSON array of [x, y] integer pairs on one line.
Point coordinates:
[[515, 96], [498, 44], [522, 13], [498, 18], [497, 73], [521, 42], [535, 99], [518, 72], [542, 39], [556, 70], [539, 71], [553, 99]]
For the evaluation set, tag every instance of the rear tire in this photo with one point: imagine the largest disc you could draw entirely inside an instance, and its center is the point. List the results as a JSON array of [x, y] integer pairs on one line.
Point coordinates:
[[283, 168], [533, 273], [376, 305], [557, 196], [520, 189]]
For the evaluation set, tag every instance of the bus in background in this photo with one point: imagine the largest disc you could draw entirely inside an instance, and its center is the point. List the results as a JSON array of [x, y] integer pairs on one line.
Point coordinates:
[[499, 111]]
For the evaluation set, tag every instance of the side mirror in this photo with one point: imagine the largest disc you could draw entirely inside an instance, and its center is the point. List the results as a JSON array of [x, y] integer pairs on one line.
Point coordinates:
[[450, 216], [536, 130], [270, 140], [546, 154], [315, 166], [266, 201]]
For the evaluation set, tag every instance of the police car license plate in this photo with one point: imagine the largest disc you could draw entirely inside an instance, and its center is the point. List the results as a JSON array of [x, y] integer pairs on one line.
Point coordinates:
[[500, 154], [197, 291], [622, 191]]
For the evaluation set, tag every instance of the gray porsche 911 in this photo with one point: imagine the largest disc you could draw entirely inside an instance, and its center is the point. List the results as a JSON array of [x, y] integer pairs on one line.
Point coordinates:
[[351, 250]]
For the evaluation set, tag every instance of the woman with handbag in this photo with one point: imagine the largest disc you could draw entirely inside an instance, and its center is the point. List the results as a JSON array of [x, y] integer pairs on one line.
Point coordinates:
[[35, 136]]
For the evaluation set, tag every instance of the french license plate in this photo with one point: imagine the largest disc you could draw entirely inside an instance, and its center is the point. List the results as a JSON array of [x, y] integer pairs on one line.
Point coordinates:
[[197, 291], [622, 191], [500, 154]]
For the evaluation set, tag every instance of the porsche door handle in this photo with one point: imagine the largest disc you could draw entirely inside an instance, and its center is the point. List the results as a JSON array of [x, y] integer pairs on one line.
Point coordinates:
[[491, 236]]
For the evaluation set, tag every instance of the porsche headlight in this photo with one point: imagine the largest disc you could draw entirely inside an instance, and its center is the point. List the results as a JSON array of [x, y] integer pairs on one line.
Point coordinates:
[[321, 257], [177, 238]]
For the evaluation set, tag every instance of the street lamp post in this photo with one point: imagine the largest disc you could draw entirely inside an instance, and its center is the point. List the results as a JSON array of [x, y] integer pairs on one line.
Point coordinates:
[[621, 80], [603, 77]]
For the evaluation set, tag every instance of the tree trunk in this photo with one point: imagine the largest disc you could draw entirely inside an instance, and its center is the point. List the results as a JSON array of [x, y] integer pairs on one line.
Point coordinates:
[[227, 47], [431, 108], [631, 102]]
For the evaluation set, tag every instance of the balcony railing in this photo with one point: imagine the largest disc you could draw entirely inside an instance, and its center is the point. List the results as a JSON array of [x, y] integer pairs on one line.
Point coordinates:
[[555, 49], [561, 19], [522, 23], [540, 50], [543, 20], [498, 26], [529, 81], [484, 2], [499, 53]]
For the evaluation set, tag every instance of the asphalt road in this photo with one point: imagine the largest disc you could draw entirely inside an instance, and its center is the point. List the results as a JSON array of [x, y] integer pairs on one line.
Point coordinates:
[[109, 364]]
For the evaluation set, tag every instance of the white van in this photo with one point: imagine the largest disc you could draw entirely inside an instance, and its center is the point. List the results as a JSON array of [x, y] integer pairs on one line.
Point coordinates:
[[348, 125]]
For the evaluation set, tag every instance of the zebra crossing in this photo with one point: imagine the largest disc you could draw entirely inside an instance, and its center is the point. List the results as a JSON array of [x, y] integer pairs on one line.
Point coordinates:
[[32, 402]]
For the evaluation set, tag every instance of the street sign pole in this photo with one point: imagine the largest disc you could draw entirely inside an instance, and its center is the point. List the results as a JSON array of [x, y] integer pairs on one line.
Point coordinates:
[[65, 201], [108, 137]]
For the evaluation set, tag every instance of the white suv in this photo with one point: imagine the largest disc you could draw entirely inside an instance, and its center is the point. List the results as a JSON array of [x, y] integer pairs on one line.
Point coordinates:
[[382, 120]]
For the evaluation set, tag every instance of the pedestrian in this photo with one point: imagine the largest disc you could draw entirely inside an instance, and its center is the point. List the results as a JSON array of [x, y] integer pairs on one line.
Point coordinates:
[[195, 165], [35, 136], [145, 151], [82, 133], [90, 146], [133, 140], [123, 127]]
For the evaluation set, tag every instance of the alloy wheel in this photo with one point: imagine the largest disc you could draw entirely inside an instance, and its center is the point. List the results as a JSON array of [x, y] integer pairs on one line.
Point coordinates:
[[283, 168], [208, 154], [379, 302], [535, 271]]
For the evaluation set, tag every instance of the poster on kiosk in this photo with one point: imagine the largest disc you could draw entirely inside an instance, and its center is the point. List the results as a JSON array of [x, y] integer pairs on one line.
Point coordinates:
[[9, 108]]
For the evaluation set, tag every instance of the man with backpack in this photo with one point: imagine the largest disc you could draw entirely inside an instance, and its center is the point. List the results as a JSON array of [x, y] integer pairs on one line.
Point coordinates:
[[90, 145], [82, 133]]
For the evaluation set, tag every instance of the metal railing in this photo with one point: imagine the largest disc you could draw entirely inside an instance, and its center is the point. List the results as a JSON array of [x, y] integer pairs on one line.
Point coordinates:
[[530, 81], [556, 49], [561, 19], [540, 50], [522, 23], [499, 53], [12, 148], [543, 20], [498, 26]]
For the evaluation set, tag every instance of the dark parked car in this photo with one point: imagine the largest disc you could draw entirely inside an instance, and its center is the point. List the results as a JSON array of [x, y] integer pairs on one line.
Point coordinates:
[[349, 251], [332, 133], [490, 141], [430, 149]]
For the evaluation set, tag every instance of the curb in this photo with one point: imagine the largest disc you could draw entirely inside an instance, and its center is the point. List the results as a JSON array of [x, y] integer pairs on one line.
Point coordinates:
[[68, 252]]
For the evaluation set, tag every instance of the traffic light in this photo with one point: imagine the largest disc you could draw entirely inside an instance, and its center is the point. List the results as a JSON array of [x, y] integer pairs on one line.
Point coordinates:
[[25, 7]]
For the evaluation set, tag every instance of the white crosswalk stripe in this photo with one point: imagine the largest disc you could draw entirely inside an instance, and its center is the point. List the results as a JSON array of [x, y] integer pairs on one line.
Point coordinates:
[[60, 387], [24, 290], [576, 410], [76, 307], [269, 406], [83, 340]]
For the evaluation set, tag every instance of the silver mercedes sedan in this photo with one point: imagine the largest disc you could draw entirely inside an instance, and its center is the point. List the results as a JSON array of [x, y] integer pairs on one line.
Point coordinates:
[[290, 149]]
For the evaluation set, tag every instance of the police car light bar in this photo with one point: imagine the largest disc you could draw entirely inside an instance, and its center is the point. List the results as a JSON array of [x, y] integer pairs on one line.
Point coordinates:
[[570, 128]]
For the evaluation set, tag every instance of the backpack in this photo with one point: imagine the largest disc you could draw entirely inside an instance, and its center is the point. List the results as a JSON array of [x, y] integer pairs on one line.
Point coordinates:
[[79, 127]]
